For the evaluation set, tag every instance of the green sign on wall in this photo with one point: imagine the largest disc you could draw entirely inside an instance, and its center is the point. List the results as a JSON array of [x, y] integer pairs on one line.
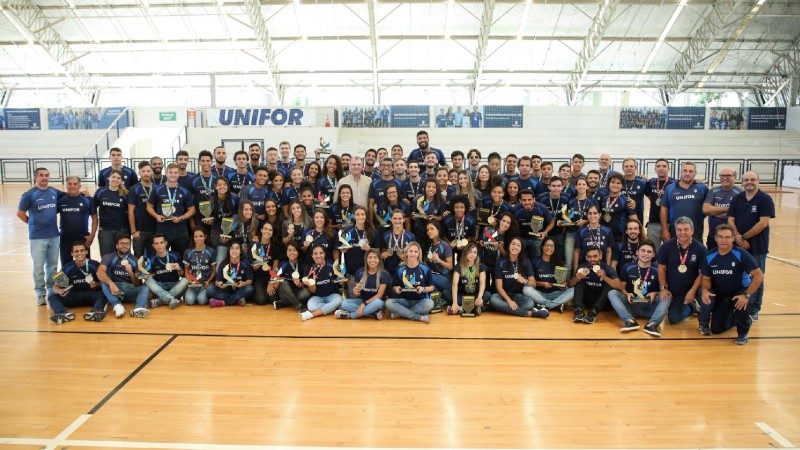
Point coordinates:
[[167, 116]]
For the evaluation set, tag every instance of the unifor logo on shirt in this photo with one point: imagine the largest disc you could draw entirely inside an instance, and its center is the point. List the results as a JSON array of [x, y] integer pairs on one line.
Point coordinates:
[[754, 208], [694, 258]]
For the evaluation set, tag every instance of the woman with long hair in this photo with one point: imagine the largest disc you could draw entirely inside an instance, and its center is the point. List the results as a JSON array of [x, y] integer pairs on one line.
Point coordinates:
[[295, 226], [493, 241], [276, 184], [342, 210], [112, 209], [512, 193], [372, 283], [579, 205], [362, 236], [496, 205], [292, 291], [322, 284], [292, 192], [484, 181], [440, 261], [411, 286], [234, 281], [469, 279], [593, 235], [332, 174], [465, 187], [395, 241], [320, 234], [443, 184], [546, 293], [314, 174], [199, 265], [272, 213], [511, 275], [245, 225], [432, 206], [223, 206], [386, 205], [263, 258]]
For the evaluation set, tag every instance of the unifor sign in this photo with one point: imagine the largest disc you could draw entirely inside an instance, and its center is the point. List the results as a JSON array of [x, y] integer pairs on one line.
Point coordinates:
[[262, 117]]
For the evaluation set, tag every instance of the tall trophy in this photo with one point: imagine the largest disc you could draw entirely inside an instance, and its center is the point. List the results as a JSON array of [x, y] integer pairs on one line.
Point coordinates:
[[347, 219], [324, 147], [383, 221], [483, 216], [259, 254], [560, 274], [468, 305], [640, 291], [567, 216], [436, 297], [422, 209], [144, 266], [62, 280], [205, 210], [274, 277], [340, 270], [408, 283], [537, 222], [344, 242], [229, 273], [227, 227]]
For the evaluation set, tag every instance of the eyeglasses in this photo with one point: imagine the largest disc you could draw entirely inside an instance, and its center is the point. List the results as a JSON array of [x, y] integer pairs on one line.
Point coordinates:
[[725, 176], [548, 246]]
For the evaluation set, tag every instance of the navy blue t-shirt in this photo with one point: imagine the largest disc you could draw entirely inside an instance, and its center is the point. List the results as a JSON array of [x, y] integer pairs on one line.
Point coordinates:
[[633, 273], [42, 208], [444, 251], [395, 242], [720, 198], [625, 253], [325, 279], [203, 189], [237, 272], [257, 196], [112, 209], [129, 178], [371, 285], [670, 255], [524, 218], [635, 190], [458, 229], [377, 190], [201, 263], [77, 275], [158, 267], [139, 196], [748, 213], [579, 208], [75, 214], [505, 270], [545, 271], [685, 202], [116, 270], [593, 281], [730, 273], [601, 238], [180, 199], [464, 285], [418, 276], [238, 181], [654, 190], [617, 209], [411, 190], [554, 205]]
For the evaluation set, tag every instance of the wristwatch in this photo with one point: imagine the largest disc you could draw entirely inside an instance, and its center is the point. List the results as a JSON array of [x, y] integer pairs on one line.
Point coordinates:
[[747, 296], [664, 287]]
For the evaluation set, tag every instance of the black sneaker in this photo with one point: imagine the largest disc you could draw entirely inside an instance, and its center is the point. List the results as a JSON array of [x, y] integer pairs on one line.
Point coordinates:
[[94, 316], [591, 317], [276, 304], [436, 310], [630, 325], [58, 319], [541, 313], [652, 329], [704, 329], [754, 317], [577, 316], [561, 308], [742, 340]]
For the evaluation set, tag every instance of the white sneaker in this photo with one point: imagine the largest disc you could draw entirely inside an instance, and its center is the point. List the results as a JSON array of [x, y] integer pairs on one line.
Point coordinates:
[[140, 313], [119, 310], [306, 315]]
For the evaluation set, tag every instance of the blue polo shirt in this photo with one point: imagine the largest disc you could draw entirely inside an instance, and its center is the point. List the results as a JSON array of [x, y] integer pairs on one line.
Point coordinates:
[[139, 196], [418, 276], [654, 190], [748, 213], [75, 214], [372, 283], [42, 208], [186, 180], [257, 196], [730, 273], [670, 255], [635, 190], [77, 275], [685, 202], [325, 280], [221, 172], [505, 271], [524, 218], [112, 209], [721, 198]]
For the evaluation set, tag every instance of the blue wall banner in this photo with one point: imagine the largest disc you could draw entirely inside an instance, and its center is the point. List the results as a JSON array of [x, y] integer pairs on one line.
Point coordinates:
[[502, 116], [413, 116], [84, 118], [22, 119], [686, 118], [766, 118]]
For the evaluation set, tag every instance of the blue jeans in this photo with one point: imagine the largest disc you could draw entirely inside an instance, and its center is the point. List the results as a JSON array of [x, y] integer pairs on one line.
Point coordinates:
[[93, 298], [44, 253], [351, 305], [524, 304], [569, 249], [532, 247], [443, 284], [129, 292], [409, 309], [167, 290], [197, 295], [678, 310], [549, 300], [758, 296], [327, 304], [228, 295], [654, 312]]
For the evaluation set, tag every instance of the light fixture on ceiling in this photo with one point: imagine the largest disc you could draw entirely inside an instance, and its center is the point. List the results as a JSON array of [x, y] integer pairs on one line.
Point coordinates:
[[447, 19], [663, 36], [524, 20]]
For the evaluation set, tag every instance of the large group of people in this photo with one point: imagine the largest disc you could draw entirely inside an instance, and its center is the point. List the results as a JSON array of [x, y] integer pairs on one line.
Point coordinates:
[[384, 234]]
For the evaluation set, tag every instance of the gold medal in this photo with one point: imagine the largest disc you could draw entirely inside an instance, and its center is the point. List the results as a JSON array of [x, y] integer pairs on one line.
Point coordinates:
[[682, 268], [658, 202], [606, 217]]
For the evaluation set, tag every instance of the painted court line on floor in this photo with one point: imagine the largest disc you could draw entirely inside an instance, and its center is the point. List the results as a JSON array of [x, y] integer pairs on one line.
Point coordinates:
[[68, 431], [775, 435]]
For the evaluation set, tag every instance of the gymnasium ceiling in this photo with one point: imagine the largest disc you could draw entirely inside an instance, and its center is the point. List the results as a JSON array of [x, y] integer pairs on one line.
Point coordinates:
[[670, 46]]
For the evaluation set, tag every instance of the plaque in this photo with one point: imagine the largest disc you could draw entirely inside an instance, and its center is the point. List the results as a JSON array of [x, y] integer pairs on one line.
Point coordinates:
[[62, 280], [560, 274], [640, 291], [227, 227], [205, 210], [483, 216], [167, 210], [467, 305], [537, 222], [408, 284], [437, 298]]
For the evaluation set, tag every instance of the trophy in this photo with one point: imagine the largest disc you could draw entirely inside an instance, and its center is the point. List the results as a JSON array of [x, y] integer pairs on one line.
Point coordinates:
[[490, 235], [323, 201], [62, 280], [324, 147], [227, 227], [640, 291], [483, 216], [340, 270], [408, 283], [258, 257], [383, 221], [167, 210], [422, 209], [537, 222], [560, 274], [436, 297], [205, 210], [344, 243], [347, 219], [467, 304], [274, 277], [229, 273], [194, 281], [144, 265], [567, 214]]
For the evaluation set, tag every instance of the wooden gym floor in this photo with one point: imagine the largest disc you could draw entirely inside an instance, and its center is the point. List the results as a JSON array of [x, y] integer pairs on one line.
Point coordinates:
[[253, 377]]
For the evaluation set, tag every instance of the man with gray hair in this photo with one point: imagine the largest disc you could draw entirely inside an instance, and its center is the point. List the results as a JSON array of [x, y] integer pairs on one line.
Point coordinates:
[[358, 183], [75, 210], [679, 275], [717, 203]]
